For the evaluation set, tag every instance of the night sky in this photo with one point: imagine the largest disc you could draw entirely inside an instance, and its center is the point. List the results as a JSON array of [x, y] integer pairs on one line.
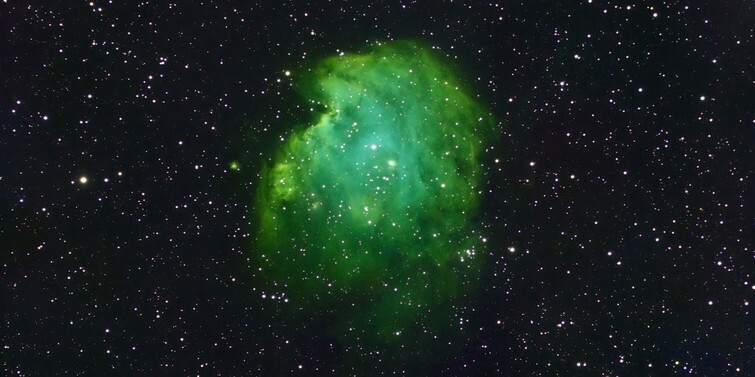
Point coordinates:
[[611, 204]]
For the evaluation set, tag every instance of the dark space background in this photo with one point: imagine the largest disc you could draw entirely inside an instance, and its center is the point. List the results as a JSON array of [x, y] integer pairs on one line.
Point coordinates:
[[619, 204]]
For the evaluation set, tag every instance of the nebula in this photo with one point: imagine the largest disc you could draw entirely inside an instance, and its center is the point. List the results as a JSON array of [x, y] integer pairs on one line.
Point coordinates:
[[372, 208]]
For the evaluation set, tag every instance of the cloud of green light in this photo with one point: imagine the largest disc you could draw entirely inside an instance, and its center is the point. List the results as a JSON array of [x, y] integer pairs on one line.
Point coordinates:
[[371, 209]]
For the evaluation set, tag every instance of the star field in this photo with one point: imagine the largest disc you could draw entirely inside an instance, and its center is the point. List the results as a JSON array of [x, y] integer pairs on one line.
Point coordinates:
[[614, 204]]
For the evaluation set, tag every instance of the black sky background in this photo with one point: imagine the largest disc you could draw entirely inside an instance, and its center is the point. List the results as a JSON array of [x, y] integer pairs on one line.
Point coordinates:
[[640, 264]]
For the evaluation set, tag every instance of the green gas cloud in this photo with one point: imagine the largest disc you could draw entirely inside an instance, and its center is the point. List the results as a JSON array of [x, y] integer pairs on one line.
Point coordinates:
[[369, 213]]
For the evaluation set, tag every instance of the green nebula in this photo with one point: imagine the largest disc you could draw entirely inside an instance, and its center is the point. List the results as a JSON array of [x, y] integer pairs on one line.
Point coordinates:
[[371, 209]]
